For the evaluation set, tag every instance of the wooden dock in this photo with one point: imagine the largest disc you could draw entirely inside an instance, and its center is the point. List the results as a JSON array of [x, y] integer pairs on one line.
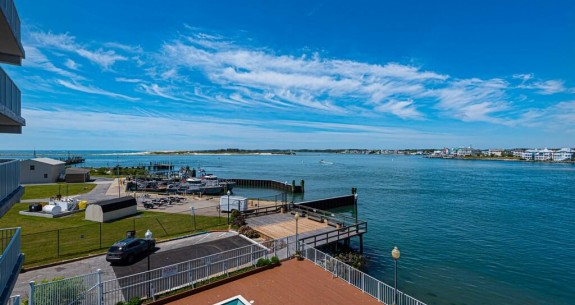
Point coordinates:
[[310, 232]]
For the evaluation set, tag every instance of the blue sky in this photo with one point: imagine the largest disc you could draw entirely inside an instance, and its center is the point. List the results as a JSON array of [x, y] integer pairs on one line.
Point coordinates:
[[179, 75]]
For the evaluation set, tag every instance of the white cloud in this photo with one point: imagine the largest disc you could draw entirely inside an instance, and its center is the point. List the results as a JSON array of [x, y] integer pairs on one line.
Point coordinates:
[[549, 87], [36, 59], [49, 40], [403, 109], [104, 59], [94, 90], [66, 42], [124, 47], [128, 80], [71, 64], [335, 86], [95, 128], [155, 89], [474, 100]]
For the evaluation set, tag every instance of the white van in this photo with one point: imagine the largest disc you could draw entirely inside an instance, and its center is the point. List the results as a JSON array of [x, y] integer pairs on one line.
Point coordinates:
[[234, 203]]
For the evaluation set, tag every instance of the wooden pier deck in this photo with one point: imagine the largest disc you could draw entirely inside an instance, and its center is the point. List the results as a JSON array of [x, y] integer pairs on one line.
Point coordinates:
[[310, 232], [283, 225]]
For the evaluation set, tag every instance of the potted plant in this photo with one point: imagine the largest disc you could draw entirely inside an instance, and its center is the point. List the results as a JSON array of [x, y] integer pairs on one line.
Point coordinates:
[[298, 255]]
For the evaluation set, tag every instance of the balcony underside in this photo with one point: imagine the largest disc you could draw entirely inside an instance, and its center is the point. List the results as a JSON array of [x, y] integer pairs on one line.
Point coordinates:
[[10, 122], [11, 49]]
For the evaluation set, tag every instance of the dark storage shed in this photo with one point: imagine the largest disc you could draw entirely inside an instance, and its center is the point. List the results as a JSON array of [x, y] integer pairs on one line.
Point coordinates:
[[77, 175], [112, 209]]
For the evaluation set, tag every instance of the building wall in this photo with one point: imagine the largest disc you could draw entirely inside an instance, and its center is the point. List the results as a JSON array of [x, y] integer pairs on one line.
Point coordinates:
[[77, 178], [41, 172]]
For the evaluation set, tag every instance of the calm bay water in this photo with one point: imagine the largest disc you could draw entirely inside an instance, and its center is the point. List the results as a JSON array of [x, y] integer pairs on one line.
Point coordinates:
[[469, 232]]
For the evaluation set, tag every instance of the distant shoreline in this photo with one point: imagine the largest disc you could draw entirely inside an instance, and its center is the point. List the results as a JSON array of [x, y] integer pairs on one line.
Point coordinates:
[[503, 159]]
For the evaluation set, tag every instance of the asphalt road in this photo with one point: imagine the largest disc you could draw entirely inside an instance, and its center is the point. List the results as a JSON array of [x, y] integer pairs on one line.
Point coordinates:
[[178, 255]]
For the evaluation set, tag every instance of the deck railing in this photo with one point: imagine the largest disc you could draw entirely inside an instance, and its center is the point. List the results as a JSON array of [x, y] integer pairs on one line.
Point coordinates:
[[10, 95], [9, 177], [14, 300], [10, 261], [91, 290], [366, 283]]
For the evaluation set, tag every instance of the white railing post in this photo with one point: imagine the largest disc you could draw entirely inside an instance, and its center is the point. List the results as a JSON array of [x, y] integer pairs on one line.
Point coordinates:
[[100, 287], [31, 299]]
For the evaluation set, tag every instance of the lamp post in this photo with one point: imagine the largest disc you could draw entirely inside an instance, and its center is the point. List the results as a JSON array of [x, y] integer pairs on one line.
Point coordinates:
[[395, 254], [296, 217], [229, 206]]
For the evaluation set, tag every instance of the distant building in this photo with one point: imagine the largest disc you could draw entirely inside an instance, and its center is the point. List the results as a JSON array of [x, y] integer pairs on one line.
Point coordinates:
[[468, 152], [77, 175], [564, 154], [41, 170], [518, 153], [543, 155], [496, 152]]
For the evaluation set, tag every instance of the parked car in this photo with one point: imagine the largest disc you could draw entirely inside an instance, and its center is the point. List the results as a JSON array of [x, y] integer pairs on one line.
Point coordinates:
[[127, 250]]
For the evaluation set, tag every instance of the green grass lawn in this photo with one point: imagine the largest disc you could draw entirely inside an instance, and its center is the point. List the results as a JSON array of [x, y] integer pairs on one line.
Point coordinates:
[[51, 190], [47, 240]]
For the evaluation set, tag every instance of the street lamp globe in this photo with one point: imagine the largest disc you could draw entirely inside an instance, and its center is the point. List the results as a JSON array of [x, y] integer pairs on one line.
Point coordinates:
[[296, 216], [395, 253], [229, 193]]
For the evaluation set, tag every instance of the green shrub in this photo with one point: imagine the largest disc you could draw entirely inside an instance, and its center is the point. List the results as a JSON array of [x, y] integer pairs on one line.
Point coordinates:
[[238, 220], [274, 260], [263, 262]]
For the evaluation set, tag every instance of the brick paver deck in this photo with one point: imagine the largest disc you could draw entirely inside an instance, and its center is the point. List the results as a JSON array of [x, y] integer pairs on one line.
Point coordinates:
[[294, 282]]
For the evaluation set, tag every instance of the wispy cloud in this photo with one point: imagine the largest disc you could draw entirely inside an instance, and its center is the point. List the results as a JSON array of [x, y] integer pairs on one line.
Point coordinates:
[[71, 64], [94, 90], [155, 89], [207, 70], [474, 100], [309, 81], [35, 58], [277, 133], [65, 42], [104, 59]]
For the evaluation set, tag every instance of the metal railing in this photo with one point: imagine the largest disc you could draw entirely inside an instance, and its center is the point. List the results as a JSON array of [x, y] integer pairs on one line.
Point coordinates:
[[67, 291], [90, 289], [9, 177], [9, 260], [10, 96], [14, 300], [12, 17], [368, 284], [337, 234]]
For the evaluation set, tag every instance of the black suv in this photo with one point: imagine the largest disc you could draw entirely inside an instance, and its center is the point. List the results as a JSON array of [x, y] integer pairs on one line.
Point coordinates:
[[128, 249]]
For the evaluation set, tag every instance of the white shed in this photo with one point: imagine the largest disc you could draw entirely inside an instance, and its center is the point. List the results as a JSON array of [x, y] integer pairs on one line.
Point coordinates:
[[112, 209]]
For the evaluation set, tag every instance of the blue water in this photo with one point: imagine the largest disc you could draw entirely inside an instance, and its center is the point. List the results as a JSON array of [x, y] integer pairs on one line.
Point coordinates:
[[469, 232]]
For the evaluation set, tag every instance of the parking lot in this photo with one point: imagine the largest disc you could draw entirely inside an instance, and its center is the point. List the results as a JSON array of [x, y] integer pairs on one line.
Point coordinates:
[[167, 253]]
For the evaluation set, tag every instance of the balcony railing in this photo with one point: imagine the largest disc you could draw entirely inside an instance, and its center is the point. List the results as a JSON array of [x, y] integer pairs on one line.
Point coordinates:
[[9, 177], [10, 262], [10, 99], [9, 10], [10, 189]]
